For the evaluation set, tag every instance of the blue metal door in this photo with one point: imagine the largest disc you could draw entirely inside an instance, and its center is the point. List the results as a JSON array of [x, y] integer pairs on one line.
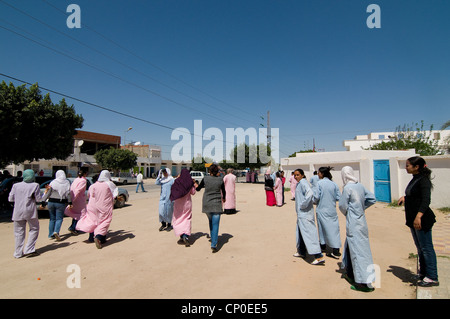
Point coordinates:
[[382, 180]]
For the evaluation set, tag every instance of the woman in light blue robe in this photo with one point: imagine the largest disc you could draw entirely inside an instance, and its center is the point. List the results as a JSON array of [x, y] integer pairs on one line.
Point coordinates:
[[357, 258], [326, 195], [307, 237], [166, 181]]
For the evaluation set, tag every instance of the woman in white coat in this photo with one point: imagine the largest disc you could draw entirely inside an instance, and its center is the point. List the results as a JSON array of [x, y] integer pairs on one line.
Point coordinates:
[[357, 258], [307, 237]]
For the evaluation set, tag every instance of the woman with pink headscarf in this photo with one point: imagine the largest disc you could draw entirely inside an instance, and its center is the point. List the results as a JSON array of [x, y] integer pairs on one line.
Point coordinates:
[[99, 210]]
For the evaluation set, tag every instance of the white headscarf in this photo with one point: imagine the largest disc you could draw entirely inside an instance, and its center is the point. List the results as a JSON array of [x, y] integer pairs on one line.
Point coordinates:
[[61, 184], [105, 177], [164, 179], [348, 175]]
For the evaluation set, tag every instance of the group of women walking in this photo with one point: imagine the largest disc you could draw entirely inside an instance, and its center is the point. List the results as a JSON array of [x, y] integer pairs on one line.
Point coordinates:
[[175, 204], [63, 199], [175, 212]]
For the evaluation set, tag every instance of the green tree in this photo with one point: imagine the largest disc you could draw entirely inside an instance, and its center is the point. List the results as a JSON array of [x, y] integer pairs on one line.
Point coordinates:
[[248, 156], [199, 164], [408, 137], [116, 159], [33, 127]]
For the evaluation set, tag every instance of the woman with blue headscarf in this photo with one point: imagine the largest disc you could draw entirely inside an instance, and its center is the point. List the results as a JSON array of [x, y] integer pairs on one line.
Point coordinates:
[[25, 195]]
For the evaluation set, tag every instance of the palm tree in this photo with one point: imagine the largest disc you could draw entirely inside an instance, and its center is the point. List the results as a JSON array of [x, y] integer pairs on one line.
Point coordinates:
[[445, 125]]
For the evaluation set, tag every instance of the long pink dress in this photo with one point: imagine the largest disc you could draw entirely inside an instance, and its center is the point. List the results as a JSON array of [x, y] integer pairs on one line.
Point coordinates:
[[230, 186], [293, 183], [278, 189], [78, 195], [182, 214], [99, 210]]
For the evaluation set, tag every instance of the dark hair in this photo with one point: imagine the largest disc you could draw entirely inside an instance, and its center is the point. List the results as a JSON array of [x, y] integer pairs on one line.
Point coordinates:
[[300, 171], [214, 169], [423, 169], [325, 171], [83, 170]]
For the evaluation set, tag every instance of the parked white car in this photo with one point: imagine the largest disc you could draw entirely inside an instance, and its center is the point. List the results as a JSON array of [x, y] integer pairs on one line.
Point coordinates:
[[197, 176], [124, 178]]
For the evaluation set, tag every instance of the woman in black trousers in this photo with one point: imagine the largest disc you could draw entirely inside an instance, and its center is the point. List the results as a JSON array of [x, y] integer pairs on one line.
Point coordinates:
[[420, 218]]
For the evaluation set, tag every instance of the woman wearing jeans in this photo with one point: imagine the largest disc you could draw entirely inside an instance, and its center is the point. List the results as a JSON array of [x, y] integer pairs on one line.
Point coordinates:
[[58, 198], [213, 198], [420, 218]]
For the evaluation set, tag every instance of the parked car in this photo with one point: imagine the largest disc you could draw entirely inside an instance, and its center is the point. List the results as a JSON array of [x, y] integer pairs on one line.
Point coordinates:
[[197, 176], [123, 178], [119, 200]]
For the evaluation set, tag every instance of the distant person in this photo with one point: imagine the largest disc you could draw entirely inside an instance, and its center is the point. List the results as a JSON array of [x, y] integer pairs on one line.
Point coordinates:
[[268, 187], [293, 185], [314, 179], [307, 237], [357, 260], [140, 182], [99, 210], [181, 192], [5, 188], [326, 195], [278, 190], [78, 196], [58, 199], [229, 207], [283, 181], [166, 181], [213, 197], [420, 218], [25, 195]]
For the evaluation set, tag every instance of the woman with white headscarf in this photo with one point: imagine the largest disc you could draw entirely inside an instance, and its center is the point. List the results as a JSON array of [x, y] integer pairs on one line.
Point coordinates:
[[58, 199], [166, 181], [99, 210], [357, 260]]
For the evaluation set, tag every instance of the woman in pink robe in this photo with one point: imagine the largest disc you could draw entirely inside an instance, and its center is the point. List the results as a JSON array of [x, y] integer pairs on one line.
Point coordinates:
[[229, 207], [181, 191], [99, 210], [278, 189], [293, 182], [78, 195]]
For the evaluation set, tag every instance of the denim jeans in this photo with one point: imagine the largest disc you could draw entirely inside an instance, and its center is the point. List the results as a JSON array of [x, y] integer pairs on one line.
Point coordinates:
[[214, 220], [142, 187], [427, 255], [56, 212]]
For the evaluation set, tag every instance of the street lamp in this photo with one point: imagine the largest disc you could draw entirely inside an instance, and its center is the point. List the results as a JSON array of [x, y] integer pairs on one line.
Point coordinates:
[[124, 136]]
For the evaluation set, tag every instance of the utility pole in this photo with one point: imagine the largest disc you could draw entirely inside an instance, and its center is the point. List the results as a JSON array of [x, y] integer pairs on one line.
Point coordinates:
[[269, 137]]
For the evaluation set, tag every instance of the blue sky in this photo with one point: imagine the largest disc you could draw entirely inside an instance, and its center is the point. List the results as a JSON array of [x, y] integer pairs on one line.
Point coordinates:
[[315, 65]]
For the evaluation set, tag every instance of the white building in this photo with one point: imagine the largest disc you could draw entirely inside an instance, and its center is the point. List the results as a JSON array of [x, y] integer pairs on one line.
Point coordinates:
[[361, 142]]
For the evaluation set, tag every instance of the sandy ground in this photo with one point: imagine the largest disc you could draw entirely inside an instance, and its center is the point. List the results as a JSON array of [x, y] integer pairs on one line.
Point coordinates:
[[254, 261]]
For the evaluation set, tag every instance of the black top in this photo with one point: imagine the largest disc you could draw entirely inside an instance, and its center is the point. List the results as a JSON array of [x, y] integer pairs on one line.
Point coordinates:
[[417, 199]]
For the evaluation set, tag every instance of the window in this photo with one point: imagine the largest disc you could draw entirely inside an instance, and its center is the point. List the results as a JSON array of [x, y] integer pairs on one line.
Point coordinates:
[[437, 136], [381, 136]]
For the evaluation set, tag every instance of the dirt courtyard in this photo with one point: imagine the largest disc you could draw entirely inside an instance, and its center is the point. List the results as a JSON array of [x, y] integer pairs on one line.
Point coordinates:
[[254, 260]]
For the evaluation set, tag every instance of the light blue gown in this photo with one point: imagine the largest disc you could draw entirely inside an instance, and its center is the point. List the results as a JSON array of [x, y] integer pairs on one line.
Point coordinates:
[[305, 217], [326, 194], [165, 204], [353, 202]]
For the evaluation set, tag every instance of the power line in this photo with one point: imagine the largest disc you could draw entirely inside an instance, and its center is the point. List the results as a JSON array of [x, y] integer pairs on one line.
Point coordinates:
[[122, 64], [147, 62]]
